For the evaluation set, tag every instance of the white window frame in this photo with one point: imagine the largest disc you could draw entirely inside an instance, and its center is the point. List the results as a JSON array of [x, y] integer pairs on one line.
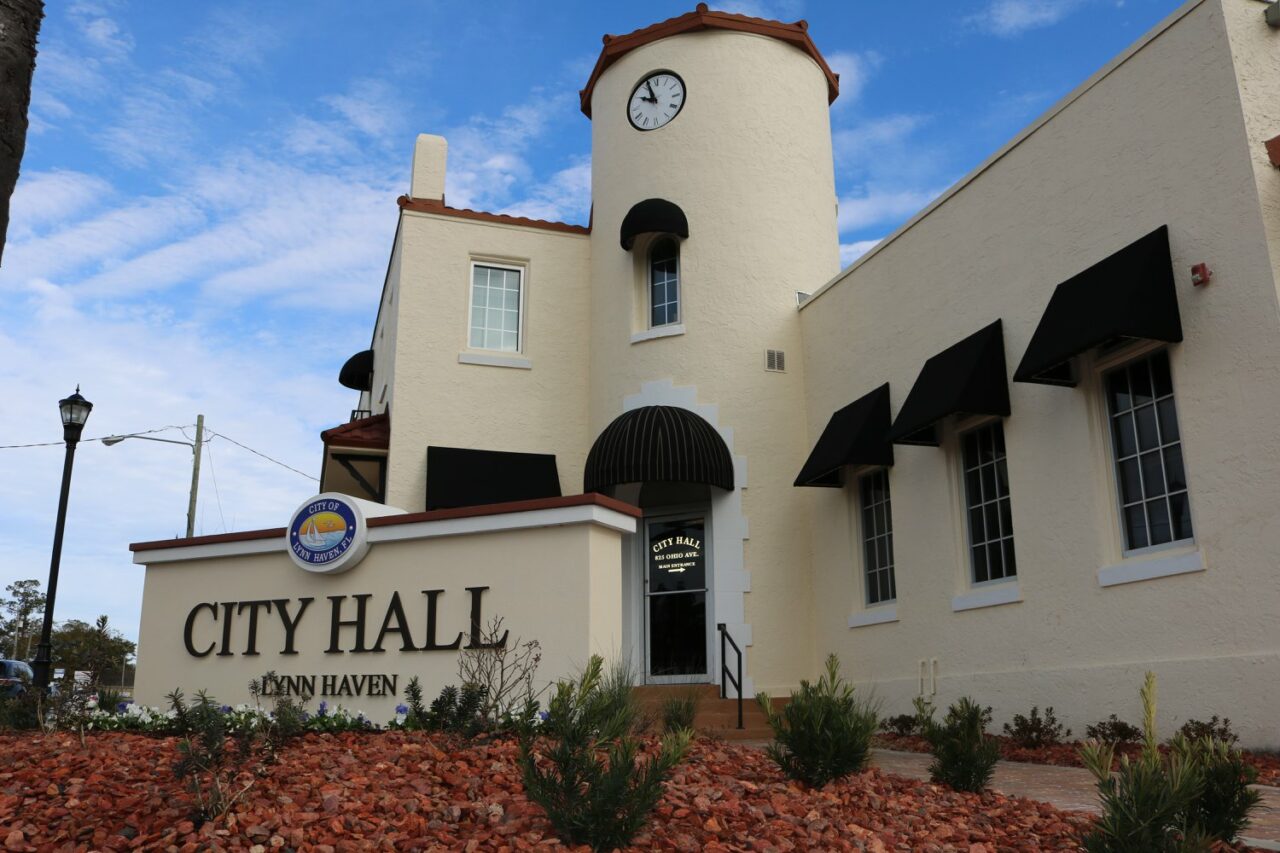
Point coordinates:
[[964, 428], [678, 322], [522, 309], [861, 532], [1103, 367]]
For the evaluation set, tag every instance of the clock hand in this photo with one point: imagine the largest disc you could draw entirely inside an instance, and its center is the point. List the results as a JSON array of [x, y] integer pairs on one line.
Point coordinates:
[[653, 99]]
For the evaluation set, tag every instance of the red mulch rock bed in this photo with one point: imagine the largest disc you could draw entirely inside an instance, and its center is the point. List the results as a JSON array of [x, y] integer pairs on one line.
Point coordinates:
[[402, 791], [1068, 754]]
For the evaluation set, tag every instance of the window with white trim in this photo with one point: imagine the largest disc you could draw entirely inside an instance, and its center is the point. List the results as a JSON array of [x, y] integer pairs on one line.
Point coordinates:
[[1147, 447], [990, 518], [664, 283], [877, 536], [496, 303]]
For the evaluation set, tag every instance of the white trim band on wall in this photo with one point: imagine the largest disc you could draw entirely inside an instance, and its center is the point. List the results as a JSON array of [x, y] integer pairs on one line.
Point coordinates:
[[1132, 571]]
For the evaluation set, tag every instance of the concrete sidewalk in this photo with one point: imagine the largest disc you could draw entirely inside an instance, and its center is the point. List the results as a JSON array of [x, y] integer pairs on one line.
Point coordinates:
[[1072, 788]]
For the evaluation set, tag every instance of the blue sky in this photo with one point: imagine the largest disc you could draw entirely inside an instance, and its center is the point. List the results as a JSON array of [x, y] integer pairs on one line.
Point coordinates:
[[207, 204]]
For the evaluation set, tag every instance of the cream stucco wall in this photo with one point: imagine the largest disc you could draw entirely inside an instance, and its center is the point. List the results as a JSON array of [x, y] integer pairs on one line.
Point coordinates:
[[748, 160], [441, 401], [1156, 137], [557, 583]]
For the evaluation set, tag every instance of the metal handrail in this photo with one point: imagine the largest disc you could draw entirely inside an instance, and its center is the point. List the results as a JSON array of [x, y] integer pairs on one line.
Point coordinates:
[[725, 675]]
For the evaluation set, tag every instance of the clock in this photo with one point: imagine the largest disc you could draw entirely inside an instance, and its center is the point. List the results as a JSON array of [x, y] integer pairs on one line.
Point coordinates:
[[656, 100]]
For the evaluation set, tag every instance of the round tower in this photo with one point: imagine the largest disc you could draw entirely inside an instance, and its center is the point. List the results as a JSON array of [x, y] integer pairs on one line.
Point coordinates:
[[713, 204]]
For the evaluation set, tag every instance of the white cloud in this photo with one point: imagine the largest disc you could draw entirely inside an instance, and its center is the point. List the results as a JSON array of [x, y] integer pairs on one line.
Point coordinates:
[[100, 30], [565, 197], [42, 198], [855, 69], [1014, 17], [876, 207], [850, 252], [867, 138], [772, 10]]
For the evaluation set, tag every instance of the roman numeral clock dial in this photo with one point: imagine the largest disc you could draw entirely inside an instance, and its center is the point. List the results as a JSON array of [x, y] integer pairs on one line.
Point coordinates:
[[656, 100]]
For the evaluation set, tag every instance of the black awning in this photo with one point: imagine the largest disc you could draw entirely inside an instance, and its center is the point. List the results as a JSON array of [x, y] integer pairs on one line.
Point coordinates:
[[653, 216], [966, 378], [658, 444], [1131, 294], [459, 477], [357, 373], [858, 434]]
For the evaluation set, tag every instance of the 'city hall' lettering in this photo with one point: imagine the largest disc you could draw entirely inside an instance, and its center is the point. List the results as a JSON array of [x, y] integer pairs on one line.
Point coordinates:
[[210, 626]]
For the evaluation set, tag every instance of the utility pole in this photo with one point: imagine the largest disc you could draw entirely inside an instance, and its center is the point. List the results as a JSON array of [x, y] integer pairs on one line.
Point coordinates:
[[195, 477]]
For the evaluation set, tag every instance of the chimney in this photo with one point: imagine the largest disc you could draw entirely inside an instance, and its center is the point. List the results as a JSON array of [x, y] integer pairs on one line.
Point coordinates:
[[429, 154]]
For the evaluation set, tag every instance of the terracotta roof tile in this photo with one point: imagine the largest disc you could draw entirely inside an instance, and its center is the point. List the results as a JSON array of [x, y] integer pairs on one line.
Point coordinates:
[[426, 205], [702, 18], [372, 432]]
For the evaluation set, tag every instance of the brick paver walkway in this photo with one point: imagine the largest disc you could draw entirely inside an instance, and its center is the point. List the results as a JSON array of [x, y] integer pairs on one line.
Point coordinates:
[[1072, 788]]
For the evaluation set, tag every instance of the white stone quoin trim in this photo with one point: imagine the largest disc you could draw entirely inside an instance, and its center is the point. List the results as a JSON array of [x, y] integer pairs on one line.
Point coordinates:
[[730, 579]]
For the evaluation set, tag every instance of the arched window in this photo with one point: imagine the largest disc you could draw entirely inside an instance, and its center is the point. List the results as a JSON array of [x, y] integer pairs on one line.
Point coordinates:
[[664, 283]]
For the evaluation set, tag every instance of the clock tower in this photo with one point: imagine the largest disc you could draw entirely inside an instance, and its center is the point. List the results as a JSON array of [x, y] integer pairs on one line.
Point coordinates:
[[714, 204]]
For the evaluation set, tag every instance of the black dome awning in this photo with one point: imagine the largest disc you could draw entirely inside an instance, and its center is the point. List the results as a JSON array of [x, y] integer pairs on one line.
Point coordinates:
[[658, 444], [357, 373], [1130, 294], [965, 378], [653, 216], [858, 434]]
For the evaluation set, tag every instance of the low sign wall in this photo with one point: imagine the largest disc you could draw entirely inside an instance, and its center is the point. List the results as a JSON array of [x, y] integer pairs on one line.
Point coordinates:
[[218, 611]]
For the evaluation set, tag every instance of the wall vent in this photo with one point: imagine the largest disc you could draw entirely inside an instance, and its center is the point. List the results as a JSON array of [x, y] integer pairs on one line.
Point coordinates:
[[775, 360]]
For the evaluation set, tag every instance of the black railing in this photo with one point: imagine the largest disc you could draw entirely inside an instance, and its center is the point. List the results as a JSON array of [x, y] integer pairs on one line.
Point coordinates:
[[725, 675], [360, 414]]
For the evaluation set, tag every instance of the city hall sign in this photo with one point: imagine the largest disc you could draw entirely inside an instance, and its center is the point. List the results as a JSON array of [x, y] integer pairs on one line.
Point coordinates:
[[354, 598]]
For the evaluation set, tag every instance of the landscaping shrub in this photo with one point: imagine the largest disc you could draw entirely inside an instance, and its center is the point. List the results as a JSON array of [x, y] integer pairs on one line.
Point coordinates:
[[1183, 801], [20, 712], [203, 760], [505, 670], [458, 711], [678, 712], [581, 764], [111, 700], [1113, 730], [963, 756], [1034, 731], [286, 720], [901, 725], [1219, 731], [824, 732]]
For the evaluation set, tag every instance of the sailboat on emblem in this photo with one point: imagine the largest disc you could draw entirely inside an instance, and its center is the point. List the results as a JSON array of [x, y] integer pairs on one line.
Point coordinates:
[[311, 536]]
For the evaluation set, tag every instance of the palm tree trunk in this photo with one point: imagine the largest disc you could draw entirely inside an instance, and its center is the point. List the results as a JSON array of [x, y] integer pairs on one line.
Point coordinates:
[[19, 28]]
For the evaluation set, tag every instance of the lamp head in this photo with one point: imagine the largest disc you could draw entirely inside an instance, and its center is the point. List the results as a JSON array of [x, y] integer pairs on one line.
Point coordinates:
[[75, 411]]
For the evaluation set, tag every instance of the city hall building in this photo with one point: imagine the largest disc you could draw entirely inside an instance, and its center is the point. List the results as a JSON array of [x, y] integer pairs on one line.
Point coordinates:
[[1026, 449]]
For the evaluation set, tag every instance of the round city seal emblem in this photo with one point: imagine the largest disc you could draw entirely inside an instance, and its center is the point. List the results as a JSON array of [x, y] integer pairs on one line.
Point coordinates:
[[327, 534]]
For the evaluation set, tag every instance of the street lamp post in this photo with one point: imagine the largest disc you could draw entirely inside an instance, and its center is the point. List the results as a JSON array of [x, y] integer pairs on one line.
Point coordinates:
[[195, 465], [75, 411]]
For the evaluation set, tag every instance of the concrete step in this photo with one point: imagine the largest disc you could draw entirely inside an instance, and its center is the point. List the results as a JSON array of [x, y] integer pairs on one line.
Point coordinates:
[[714, 716]]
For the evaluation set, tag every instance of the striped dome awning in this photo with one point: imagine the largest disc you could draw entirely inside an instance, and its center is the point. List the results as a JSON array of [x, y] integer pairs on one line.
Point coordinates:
[[658, 444]]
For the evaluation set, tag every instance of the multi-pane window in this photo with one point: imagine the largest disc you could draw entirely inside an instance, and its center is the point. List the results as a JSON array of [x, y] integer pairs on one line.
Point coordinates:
[[1148, 453], [664, 283], [877, 536], [495, 308], [986, 488]]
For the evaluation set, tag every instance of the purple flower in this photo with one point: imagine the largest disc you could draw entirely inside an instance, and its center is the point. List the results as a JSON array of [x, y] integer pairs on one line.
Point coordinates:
[[324, 707], [226, 709], [122, 707], [544, 715], [402, 709]]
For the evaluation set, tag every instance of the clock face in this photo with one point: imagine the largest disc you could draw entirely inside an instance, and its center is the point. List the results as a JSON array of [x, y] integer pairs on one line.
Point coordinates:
[[656, 100]]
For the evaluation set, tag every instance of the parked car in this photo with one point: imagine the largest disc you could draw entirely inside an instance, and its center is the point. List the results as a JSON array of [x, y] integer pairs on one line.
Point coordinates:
[[15, 675]]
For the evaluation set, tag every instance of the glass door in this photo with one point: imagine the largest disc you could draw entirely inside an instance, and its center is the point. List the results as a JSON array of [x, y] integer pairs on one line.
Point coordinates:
[[676, 599]]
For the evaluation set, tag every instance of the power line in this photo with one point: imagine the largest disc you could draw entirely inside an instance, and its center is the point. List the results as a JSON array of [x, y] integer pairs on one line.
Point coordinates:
[[263, 455], [99, 438], [214, 474]]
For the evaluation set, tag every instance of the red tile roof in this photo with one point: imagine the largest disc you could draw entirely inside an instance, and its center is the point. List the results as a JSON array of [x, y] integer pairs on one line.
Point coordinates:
[[374, 432], [427, 205], [703, 19]]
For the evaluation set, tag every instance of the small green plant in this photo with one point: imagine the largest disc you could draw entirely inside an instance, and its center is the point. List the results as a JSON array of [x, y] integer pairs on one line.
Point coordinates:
[[1034, 731], [204, 762], [581, 764], [458, 711], [824, 732], [963, 756], [1113, 730], [21, 711], [902, 725], [1176, 803], [1213, 729], [110, 700], [679, 711], [505, 668], [286, 720]]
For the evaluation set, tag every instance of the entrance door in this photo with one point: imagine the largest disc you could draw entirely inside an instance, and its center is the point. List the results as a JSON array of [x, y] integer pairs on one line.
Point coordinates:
[[676, 638]]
